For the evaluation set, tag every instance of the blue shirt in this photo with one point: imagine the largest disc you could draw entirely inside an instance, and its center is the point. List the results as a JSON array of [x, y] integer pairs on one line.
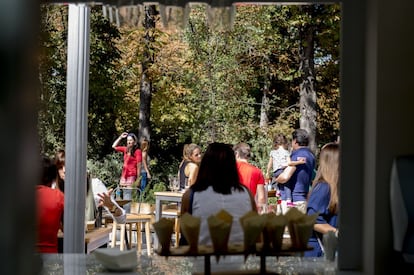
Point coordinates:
[[318, 203], [300, 181]]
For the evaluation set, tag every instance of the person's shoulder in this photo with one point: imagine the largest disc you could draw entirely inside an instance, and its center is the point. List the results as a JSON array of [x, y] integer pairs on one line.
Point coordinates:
[[321, 186]]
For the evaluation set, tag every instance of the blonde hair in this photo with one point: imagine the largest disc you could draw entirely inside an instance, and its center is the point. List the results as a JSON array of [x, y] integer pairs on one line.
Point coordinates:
[[328, 171], [188, 150], [144, 145]]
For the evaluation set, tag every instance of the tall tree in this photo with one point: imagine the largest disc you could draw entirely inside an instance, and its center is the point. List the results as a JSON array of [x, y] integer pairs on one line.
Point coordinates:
[[146, 88], [307, 101]]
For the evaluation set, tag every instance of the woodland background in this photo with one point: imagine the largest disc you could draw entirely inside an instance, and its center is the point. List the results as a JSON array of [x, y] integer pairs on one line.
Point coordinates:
[[275, 70]]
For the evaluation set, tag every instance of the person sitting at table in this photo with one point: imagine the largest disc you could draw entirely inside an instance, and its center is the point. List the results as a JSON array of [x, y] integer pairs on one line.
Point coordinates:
[[218, 187], [50, 204], [188, 169], [107, 201], [323, 198]]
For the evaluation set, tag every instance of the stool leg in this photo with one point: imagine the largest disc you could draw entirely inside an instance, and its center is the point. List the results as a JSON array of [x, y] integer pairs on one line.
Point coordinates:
[[139, 238], [177, 231], [122, 245], [113, 241], [130, 235], [148, 237]]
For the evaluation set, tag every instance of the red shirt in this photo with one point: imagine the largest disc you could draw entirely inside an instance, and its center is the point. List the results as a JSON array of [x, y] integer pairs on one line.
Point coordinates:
[[50, 203], [250, 176], [130, 162]]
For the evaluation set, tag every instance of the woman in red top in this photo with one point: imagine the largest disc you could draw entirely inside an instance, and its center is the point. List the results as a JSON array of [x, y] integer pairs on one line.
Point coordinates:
[[50, 203], [131, 169]]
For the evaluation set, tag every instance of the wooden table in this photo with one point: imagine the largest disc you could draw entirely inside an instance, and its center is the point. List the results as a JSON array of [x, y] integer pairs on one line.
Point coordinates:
[[164, 197], [93, 239]]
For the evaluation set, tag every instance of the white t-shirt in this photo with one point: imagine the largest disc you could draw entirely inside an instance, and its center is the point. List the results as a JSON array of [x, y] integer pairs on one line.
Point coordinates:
[[279, 157], [208, 202]]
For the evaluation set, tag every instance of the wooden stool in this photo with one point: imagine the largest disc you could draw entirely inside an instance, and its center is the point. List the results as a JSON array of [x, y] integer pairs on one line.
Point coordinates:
[[138, 220]]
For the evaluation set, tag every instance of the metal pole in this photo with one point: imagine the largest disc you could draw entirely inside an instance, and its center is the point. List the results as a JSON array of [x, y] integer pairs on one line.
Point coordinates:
[[76, 128]]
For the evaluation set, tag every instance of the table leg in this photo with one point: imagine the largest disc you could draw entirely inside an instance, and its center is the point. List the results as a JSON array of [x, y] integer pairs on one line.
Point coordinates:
[[207, 265], [158, 213]]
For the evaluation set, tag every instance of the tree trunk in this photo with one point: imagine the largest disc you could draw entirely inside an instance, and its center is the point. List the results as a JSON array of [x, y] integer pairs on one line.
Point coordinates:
[[307, 101], [264, 119], [145, 95]]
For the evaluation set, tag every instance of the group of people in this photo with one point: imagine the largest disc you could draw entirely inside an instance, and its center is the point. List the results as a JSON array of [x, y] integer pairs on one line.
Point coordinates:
[[221, 178], [51, 202], [224, 179], [135, 169]]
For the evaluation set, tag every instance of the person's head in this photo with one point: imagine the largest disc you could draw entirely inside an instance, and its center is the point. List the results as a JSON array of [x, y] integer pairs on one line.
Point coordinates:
[[242, 150], [300, 138], [328, 171], [132, 143], [280, 140], [48, 172], [192, 152], [218, 169], [144, 144]]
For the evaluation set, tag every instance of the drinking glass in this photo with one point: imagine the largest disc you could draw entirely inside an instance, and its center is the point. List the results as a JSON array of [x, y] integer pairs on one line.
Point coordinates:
[[176, 184]]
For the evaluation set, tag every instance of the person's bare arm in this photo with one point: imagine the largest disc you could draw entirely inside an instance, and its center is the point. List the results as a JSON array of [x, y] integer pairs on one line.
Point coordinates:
[[185, 202], [116, 142], [192, 173], [324, 228], [297, 162], [269, 169], [145, 163], [106, 201], [286, 174], [260, 194]]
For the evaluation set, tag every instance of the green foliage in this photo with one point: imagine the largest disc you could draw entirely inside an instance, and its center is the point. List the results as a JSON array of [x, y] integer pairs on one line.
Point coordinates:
[[207, 84], [149, 196], [105, 93], [108, 169]]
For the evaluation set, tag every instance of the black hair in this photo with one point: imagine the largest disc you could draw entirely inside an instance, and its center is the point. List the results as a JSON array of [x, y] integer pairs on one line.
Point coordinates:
[[218, 169], [48, 172], [301, 136]]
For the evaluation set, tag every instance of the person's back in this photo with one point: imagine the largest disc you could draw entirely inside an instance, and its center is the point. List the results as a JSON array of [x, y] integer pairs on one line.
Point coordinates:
[[218, 187], [50, 204], [298, 178], [237, 204], [301, 180], [250, 176]]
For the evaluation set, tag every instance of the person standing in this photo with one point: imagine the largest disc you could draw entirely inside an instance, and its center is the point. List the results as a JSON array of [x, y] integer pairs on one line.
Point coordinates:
[[188, 169], [323, 198], [132, 164], [298, 178], [249, 175], [278, 161], [218, 187], [145, 173], [50, 205]]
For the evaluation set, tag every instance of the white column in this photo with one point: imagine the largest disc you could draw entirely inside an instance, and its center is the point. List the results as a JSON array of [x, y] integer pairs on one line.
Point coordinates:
[[76, 128]]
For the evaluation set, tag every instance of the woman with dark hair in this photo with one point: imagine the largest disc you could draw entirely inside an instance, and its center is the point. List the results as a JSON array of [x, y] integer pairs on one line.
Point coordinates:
[[132, 164], [50, 204], [218, 187], [60, 166], [323, 198]]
